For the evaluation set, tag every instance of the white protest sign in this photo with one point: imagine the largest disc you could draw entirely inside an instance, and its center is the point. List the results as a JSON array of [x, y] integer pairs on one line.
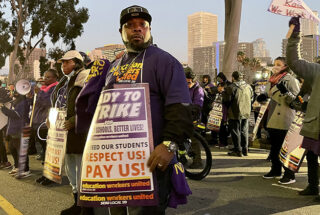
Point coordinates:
[[56, 145], [292, 8]]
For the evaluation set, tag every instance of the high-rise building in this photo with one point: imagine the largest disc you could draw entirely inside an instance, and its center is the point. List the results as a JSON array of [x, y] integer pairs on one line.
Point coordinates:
[[202, 32], [309, 47], [259, 49], [106, 52], [309, 27], [204, 61], [32, 70]]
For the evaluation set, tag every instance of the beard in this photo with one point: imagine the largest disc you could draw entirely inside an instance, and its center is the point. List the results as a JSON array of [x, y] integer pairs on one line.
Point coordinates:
[[136, 47]]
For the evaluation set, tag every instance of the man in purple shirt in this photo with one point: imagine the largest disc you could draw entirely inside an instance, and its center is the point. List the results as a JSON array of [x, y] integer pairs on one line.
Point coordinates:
[[144, 62]]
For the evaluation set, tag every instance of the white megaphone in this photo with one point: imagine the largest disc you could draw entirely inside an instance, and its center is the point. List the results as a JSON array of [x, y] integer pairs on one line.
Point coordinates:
[[23, 87]]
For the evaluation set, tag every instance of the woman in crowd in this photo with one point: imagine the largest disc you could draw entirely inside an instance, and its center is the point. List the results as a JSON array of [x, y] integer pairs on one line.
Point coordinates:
[[64, 96], [280, 88]]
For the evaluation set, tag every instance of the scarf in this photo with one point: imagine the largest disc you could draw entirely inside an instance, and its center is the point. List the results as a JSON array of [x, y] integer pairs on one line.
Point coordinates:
[[47, 88], [275, 78]]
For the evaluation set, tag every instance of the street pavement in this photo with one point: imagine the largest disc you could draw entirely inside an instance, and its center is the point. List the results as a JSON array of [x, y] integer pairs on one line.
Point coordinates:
[[234, 186]]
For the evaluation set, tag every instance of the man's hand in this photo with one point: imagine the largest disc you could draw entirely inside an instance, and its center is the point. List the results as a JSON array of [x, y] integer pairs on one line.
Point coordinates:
[[68, 125], [160, 158], [282, 88], [36, 89]]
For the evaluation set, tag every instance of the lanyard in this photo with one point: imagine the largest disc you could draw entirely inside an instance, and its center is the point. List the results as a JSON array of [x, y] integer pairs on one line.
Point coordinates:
[[124, 72]]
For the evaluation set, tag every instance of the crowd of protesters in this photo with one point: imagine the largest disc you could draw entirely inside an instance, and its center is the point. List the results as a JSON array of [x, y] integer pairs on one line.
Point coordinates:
[[171, 87]]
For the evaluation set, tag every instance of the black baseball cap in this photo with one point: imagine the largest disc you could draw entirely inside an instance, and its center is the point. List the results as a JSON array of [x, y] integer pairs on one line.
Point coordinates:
[[134, 11]]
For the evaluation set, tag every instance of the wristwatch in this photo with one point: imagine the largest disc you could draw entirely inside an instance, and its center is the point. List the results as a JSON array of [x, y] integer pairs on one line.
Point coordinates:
[[171, 146]]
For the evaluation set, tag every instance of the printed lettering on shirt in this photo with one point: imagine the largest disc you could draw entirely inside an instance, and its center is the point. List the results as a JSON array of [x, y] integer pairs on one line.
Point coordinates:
[[96, 69], [128, 73]]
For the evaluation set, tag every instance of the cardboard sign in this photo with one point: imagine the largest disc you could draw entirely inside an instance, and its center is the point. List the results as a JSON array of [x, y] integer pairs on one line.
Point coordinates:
[[114, 165], [215, 115], [4, 118], [291, 153], [262, 111], [56, 145], [292, 8]]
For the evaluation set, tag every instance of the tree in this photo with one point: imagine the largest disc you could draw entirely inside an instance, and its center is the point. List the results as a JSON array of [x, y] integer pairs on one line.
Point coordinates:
[[55, 54], [44, 65], [35, 20], [5, 46], [231, 35]]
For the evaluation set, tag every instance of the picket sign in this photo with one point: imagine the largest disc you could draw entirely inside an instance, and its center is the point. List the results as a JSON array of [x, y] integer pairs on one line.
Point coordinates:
[[262, 111], [215, 115], [292, 154], [56, 145], [292, 8], [114, 164]]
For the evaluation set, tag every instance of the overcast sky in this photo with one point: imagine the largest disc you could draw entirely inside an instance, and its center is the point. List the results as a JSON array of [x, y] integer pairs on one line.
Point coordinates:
[[169, 24]]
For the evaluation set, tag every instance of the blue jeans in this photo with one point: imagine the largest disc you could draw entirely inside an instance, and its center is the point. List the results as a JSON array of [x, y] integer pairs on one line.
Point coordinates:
[[239, 134], [73, 170]]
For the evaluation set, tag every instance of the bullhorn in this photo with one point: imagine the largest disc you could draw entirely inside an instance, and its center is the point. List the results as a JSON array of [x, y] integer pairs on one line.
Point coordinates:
[[23, 87]]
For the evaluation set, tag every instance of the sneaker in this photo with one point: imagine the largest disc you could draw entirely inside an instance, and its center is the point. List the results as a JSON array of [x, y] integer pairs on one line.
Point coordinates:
[[14, 171], [245, 152], [46, 182], [6, 165], [270, 175], [235, 153], [39, 180], [221, 146], [286, 180], [23, 175], [317, 199], [309, 191]]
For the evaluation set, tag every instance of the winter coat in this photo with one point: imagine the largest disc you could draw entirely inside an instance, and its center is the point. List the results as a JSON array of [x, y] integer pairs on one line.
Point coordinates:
[[196, 94], [280, 115], [310, 72], [42, 106], [238, 97], [18, 116], [75, 142]]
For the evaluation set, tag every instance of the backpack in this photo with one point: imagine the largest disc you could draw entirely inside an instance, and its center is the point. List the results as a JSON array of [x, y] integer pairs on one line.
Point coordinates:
[[243, 99]]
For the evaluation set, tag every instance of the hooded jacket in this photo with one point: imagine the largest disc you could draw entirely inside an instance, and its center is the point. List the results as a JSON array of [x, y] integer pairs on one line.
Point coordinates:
[[238, 97]]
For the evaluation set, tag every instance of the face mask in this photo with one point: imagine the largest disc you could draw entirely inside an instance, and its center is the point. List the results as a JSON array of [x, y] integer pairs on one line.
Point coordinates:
[[276, 69]]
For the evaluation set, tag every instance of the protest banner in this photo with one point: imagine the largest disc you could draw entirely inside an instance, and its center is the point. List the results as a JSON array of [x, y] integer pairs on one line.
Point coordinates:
[[262, 111], [56, 145], [114, 165], [292, 8], [215, 115], [291, 153], [23, 151]]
